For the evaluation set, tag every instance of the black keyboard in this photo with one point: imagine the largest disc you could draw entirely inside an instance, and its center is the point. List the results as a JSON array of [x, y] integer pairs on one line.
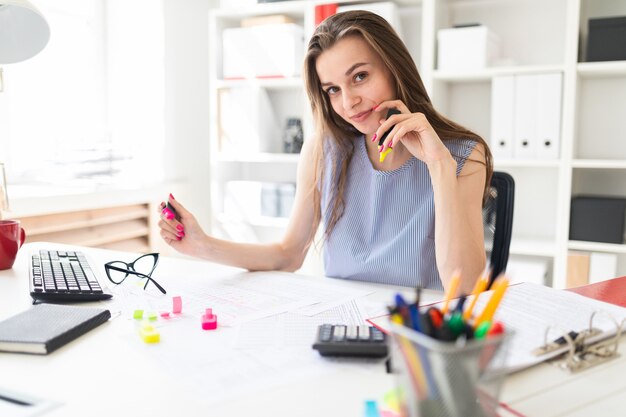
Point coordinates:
[[64, 276]]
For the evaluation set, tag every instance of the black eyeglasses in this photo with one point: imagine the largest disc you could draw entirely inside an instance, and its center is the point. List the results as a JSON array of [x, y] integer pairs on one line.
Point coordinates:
[[118, 271]]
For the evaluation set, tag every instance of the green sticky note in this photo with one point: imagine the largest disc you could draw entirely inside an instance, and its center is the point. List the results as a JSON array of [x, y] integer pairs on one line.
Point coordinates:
[[152, 316], [138, 314]]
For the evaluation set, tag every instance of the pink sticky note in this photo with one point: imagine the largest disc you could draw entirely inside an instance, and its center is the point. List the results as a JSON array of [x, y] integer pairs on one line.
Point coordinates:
[[165, 314], [209, 320], [178, 304]]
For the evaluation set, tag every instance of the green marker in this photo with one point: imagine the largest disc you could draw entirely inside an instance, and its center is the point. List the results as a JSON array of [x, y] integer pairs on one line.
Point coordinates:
[[482, 329], [456, 323]]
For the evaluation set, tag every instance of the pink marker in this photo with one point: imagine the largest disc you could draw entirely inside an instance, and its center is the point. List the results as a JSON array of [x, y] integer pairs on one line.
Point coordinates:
[[209, 320], [178, 304]]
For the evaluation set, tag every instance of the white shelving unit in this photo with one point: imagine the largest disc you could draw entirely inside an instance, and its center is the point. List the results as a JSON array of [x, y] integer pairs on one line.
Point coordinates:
[[541, 42], [536, 37], [288, 99]]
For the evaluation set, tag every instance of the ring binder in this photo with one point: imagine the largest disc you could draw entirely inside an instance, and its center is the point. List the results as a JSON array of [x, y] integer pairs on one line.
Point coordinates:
[[580, 353]]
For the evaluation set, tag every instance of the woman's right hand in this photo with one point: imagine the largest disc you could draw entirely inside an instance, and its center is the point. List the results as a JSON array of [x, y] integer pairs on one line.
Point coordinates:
[[183, 234]]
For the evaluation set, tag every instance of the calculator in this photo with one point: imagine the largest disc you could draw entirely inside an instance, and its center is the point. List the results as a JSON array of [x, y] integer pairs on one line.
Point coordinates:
[[351, 340]]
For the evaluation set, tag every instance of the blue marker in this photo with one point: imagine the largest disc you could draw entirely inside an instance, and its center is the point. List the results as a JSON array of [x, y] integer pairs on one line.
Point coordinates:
[[415, 318]]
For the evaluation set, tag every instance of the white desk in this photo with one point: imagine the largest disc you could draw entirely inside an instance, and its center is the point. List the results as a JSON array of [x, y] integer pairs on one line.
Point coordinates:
[[104, 373]]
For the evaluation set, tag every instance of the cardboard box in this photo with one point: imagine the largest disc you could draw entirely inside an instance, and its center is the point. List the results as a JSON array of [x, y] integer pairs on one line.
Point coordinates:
[[466, 48], [577, 269], [266, 51]]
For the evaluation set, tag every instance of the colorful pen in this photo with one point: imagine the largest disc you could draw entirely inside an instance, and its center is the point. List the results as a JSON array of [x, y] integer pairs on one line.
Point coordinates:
[[482, 329], [490, 309], [456, 323], [496, 329], [414, 314], [403, 310]]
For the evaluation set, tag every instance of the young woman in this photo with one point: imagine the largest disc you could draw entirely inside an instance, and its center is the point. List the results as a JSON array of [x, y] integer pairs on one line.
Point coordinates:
[[412, 219]]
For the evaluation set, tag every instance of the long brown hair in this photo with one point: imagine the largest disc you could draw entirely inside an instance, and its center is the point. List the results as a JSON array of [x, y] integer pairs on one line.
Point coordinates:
[[382, 38]]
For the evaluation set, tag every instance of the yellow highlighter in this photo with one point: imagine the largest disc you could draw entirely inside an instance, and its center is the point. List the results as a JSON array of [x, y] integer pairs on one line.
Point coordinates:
[[384, 154], [487, 315], [479, 287]]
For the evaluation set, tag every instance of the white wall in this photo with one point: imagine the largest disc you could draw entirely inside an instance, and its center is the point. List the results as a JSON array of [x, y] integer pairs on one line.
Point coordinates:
[[187, 103]]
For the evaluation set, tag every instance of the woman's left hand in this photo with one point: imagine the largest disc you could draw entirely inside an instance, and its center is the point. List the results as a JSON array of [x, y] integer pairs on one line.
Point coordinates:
[[413, 130]]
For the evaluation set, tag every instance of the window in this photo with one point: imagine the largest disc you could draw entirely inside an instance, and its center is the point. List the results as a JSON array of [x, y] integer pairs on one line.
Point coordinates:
[[89, 108]]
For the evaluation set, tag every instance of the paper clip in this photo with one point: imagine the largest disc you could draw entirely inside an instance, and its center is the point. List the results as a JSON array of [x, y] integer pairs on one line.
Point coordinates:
[[582, 354]]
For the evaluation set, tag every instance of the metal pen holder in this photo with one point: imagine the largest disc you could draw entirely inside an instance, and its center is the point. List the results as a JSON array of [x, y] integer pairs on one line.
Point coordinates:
[[447, 379]]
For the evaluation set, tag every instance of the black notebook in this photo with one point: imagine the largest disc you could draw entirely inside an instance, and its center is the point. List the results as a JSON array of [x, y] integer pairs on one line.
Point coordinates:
[[46, 327]]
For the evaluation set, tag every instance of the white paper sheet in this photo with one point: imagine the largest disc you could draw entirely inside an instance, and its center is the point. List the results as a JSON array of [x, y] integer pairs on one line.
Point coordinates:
[[252, 357], [238, 299], [264, 335], [292, 329]]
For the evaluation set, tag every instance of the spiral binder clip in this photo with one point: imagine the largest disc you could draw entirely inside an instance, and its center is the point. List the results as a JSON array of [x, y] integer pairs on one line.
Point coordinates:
[[585, 349]]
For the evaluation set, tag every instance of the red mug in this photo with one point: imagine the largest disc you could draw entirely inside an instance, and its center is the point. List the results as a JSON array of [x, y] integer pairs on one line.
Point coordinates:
[[12, 238]]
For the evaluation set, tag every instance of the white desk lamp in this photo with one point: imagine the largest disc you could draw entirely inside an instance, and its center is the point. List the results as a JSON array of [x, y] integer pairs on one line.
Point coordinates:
[[24, 32]]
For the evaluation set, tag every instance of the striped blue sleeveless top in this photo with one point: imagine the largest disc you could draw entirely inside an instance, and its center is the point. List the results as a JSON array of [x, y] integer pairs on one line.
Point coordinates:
[[386, 233]]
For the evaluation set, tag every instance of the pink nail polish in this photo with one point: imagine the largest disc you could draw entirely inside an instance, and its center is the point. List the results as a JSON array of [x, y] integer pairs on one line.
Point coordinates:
[[172, 197], [180, 227], [390, 143], [381, 148], [179, 238], [374, 137]]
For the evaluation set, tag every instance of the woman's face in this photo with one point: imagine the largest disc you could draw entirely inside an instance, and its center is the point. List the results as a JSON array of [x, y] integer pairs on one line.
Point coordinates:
[[355, 79]]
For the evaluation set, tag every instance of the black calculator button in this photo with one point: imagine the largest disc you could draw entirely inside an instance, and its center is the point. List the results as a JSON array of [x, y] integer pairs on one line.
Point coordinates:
[[326, 332], [364, 333], [377, 335], [352, 333], [339, 333]]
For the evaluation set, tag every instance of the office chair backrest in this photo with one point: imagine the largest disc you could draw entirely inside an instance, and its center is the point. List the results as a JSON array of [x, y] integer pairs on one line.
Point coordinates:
[[498, 222]]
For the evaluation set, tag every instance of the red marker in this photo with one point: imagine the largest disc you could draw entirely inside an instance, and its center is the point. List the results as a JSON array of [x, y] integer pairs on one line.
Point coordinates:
[[436, 318], [496, 329]]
